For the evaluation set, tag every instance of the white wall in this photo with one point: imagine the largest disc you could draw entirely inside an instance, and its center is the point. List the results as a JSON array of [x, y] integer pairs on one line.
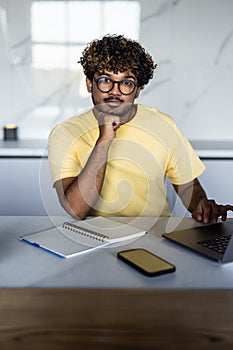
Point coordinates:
[[191, 40]]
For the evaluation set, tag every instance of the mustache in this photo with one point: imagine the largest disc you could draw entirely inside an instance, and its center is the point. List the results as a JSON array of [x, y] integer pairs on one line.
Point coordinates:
[[108, 99]]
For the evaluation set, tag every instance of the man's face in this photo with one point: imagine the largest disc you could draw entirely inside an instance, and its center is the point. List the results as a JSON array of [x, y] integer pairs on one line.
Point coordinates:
[[113, 102]]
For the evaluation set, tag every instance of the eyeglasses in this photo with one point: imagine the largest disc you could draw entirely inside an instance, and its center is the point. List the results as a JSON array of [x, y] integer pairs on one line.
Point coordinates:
[[126, 87]]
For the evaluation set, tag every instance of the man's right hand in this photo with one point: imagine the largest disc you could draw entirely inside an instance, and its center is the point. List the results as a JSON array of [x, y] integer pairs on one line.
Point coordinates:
[[108, 124]]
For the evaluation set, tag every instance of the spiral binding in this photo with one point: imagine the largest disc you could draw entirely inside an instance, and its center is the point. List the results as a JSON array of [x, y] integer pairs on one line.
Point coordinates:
[[85, 232]]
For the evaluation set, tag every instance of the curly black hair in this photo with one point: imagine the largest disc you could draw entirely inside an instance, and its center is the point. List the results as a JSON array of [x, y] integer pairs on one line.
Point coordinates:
[[116, 54]]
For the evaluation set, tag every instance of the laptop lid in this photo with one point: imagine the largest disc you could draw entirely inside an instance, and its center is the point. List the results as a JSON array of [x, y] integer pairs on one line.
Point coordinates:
[[195, 238]]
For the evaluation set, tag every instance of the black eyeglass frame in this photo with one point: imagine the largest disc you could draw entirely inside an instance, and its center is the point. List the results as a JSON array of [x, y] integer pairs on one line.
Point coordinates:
[[115, 82]]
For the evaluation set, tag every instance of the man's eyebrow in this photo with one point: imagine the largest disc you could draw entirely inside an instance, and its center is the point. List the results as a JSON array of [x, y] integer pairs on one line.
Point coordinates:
[[105, 74], [126, 77], [130, 76]]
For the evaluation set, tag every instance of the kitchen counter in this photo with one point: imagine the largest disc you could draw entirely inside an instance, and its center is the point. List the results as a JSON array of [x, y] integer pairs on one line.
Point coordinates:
[[23, 148], [213, 149], [38, 148]]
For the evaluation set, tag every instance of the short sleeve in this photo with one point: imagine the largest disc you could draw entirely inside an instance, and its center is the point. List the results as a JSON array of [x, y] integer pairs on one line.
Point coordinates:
[[184, 165], [63, 159]]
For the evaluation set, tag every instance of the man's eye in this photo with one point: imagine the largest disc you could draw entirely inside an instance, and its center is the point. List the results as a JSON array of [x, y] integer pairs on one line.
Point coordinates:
[[104, 80], [127, 82]]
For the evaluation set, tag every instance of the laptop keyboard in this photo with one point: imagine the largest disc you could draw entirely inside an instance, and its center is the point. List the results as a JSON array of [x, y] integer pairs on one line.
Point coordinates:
[[218, 244]]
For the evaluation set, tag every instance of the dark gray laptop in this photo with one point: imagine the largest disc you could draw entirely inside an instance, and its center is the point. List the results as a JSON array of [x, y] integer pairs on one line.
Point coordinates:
[[215, 241]]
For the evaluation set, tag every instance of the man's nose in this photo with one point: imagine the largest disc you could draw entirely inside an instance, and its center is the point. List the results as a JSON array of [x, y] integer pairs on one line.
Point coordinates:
[[115, 90]]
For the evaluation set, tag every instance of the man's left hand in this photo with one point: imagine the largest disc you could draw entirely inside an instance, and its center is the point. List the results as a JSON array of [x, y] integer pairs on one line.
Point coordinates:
[[208, 211]]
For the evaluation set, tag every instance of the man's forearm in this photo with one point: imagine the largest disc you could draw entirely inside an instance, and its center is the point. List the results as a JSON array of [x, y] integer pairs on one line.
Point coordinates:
[[191, 194], [203, 209], [80, 194], [83, 192], [198, 193]]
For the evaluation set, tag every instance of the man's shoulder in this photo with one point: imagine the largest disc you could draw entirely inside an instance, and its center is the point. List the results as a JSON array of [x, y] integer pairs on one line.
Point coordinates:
[[74, 123], [154, 114], [77, 119]]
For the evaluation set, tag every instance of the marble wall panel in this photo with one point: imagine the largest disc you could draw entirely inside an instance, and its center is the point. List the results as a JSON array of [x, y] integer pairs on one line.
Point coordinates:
[[194, 50], [191, 40]]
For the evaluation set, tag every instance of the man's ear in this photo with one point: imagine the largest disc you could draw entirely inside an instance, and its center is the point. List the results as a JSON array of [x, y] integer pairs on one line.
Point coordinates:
[[138, 91], [89, 85]]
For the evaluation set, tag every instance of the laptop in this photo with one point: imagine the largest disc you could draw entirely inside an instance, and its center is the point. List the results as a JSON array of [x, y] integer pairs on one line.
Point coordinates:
[[215, 241]]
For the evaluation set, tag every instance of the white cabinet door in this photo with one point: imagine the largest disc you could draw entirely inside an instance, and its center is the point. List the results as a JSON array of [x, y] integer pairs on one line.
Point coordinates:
[[26, 189]]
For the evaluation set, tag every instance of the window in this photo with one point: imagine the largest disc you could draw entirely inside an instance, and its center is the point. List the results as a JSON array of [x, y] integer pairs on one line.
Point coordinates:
[[61, 29]]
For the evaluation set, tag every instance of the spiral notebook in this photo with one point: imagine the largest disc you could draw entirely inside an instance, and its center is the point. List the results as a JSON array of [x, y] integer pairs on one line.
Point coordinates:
[[74, 238]]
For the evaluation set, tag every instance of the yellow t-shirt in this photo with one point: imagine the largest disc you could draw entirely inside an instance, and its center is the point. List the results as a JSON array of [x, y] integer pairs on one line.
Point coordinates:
[[145, 151]]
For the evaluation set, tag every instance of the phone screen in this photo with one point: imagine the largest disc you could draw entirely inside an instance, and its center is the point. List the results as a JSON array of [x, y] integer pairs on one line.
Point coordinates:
[[146, 262]]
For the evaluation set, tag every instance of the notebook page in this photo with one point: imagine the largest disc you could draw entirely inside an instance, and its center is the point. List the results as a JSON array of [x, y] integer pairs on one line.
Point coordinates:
[[116, 231]]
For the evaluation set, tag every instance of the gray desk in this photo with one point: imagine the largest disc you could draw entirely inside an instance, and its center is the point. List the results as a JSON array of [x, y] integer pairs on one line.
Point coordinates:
[[24, 266]]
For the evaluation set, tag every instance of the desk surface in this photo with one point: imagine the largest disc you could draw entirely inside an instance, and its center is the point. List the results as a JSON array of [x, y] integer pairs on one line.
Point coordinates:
[[63, 319], [22, 265]]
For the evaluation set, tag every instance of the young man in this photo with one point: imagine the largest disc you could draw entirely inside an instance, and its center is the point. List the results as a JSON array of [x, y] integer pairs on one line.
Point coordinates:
[[113, 159]]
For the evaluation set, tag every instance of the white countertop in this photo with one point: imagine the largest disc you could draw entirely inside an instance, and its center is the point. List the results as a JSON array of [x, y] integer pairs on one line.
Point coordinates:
[[23, 148], [38, 148], [213, 149]]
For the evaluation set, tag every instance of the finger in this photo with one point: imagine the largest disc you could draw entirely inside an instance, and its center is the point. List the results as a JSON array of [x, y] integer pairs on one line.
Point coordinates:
[[224, 209], [224, 214], [198, 213], [228, 207], [207, 210], [215, 212], [107, 119], [116, 124]]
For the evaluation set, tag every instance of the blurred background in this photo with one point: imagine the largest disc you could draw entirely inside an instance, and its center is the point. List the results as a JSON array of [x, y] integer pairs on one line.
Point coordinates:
[[42, 84]]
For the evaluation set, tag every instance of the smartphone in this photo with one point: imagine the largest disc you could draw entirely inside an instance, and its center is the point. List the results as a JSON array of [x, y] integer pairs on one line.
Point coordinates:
[[146, 262]]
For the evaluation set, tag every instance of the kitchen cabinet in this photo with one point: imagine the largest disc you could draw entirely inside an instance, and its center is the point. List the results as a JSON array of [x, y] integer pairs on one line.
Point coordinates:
[[26, 187]]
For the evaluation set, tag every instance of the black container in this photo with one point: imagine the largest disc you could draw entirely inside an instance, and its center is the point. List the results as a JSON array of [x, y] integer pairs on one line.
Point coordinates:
[[10, 132]]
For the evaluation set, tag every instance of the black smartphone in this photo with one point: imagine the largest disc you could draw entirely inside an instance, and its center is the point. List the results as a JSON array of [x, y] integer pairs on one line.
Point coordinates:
[[146, 262]]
